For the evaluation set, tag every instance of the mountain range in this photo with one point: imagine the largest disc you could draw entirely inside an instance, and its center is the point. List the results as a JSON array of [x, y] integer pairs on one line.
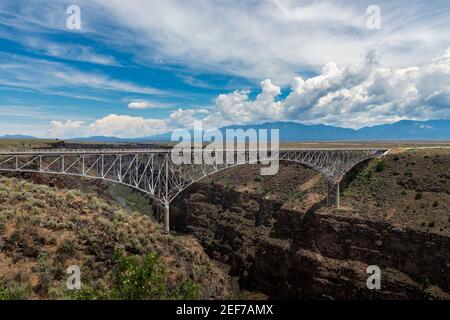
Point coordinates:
[[17, 136], [293, 131]]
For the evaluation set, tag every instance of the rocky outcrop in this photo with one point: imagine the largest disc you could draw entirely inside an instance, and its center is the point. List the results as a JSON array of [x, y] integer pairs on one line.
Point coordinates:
[[320, 254]]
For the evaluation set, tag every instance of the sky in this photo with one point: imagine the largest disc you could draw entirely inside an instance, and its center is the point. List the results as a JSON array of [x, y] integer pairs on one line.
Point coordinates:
[[137, 68]]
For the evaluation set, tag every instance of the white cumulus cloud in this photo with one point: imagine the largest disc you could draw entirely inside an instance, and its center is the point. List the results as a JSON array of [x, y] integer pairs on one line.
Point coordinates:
[[67, 128], [354, 96], [140, 105], [126, 126], [111, 125], [237, 107]]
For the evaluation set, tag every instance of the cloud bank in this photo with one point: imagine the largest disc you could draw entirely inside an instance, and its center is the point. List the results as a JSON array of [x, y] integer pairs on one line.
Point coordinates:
[[353, 96], [276, 39], [273, 39]]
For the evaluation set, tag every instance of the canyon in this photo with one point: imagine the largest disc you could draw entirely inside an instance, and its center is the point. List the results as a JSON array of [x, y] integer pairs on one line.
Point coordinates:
[[259, 237], [307, 250]]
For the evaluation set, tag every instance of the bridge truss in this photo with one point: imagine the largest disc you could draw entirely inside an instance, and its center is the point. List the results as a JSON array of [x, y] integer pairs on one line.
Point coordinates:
[[154, 173]]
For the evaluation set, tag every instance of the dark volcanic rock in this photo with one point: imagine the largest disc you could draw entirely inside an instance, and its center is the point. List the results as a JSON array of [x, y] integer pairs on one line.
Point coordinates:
[[319, 254]]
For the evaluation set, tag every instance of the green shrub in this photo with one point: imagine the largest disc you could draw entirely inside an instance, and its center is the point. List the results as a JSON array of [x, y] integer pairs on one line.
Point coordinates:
[[23, 219], [89, 293], [257, 179], [3, 195], [297, 195], [21, 196], [265, 190], [379, 167], [145, 278], [419, 195], [4, 292], [139, 278], [119, 215], [66, 247], [14, 290], [105, 224], [3, 219], [33, 203], [366, 175]]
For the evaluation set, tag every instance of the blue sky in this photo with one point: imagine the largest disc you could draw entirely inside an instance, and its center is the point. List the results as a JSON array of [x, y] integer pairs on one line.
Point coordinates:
[[138, 68]]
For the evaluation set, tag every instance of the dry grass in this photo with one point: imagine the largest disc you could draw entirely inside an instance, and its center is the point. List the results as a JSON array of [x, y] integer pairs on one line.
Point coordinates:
[[44, 230], [410, 189]]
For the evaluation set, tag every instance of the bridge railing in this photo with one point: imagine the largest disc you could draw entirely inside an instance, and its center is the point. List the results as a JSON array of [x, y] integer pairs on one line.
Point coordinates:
[[133, 151], [78, 151]]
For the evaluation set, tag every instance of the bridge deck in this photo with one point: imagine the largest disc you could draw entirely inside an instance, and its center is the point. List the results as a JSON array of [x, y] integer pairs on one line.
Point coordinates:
[[149, 151]]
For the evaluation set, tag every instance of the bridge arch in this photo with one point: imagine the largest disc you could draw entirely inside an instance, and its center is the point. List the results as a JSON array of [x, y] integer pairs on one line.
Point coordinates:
[[330, 179]]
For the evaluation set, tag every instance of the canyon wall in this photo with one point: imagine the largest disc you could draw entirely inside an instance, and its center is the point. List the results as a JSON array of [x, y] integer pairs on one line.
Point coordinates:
[[317, 254]]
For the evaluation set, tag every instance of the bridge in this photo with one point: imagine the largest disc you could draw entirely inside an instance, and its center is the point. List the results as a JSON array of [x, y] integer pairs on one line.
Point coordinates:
[[153, 171]]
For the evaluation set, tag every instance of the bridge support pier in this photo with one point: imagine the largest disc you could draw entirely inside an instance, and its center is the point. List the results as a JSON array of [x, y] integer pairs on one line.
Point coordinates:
[[166, 217], [338, 195]]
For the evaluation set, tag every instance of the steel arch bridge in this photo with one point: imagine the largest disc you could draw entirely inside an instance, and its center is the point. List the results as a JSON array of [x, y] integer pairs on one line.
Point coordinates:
[[153, 171]]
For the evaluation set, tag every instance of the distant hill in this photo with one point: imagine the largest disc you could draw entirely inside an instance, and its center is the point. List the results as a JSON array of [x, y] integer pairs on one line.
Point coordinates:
[[408, 130], [97, 139], [294, 131], [159, 137], [402, 130], [17, 136]]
